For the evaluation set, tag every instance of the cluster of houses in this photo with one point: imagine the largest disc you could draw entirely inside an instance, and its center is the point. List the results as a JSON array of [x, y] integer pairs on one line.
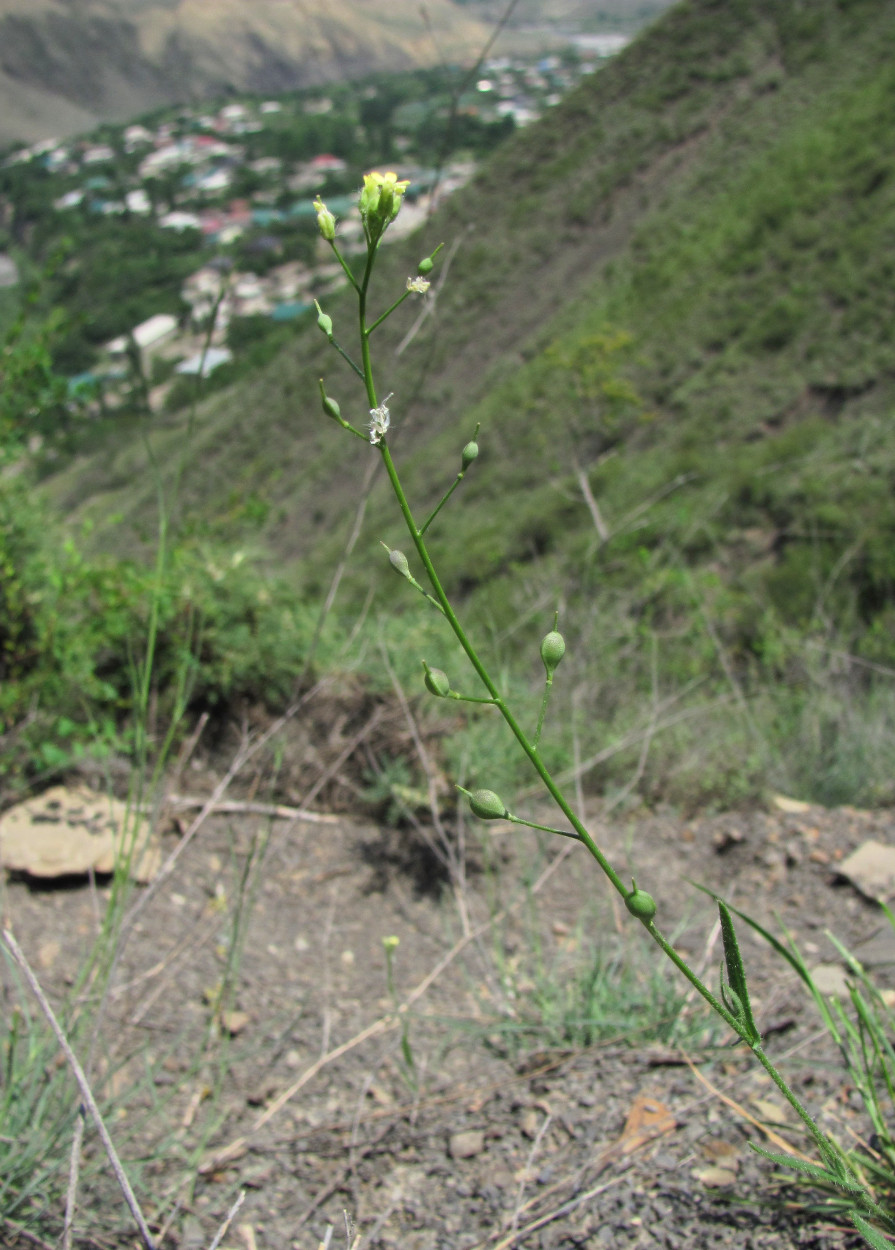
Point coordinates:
[[180, 174]]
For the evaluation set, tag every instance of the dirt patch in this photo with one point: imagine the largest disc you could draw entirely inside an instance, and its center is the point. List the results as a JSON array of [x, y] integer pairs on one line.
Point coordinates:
[[474, 1125]]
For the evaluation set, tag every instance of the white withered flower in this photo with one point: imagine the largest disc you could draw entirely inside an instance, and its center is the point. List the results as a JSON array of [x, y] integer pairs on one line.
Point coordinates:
[[379, 421], [418, 285]]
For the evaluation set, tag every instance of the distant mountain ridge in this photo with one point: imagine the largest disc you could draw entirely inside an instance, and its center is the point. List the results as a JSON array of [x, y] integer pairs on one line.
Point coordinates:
[[67, 64]]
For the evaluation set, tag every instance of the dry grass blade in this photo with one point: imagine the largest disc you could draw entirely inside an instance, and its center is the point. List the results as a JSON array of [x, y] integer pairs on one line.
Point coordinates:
[[86, 1093], [222, 1231], [780, 1142]]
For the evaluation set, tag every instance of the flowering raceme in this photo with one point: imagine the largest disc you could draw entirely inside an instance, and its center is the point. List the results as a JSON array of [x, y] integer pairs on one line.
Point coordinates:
[[380, 202]]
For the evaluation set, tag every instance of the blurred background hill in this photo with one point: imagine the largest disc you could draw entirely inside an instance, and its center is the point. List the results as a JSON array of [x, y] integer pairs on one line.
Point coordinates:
[[66, 65]]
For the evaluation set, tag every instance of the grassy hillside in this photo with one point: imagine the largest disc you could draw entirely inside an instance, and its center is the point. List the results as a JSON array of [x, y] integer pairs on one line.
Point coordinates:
[[711, 220]]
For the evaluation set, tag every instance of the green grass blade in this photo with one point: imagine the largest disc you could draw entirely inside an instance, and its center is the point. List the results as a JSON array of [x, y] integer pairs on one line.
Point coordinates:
[[869, 1233], [824, 1175]]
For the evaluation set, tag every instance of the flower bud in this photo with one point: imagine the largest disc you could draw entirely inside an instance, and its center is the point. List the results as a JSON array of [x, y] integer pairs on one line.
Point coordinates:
[[487, 805], [425, 266], [437, 682], [640, 904], [553, 648], [470, 451], [326, 223], [398, 561], [390, 944]]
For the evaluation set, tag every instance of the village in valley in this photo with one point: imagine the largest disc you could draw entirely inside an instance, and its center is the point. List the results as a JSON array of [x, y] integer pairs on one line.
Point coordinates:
[[221, 200]]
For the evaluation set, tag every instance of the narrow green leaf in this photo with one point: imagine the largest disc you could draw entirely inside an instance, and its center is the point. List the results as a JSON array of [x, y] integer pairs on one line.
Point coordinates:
[[813, 1170], [736, 973], [797, 963], [869, 1233]]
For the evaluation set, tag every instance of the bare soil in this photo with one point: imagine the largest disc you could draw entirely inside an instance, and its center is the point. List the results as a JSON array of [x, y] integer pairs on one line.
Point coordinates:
[[299, 1091]]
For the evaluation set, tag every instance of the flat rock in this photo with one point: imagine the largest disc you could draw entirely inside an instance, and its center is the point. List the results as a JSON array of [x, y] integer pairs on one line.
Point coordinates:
[[830, 979], [466, 1145], [871, 869], [73, 831]]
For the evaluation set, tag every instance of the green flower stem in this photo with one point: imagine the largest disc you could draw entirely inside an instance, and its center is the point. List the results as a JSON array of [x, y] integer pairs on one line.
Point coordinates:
[[365, 333], [547, 687], [468, 698], [825, 1147], [562, 833], [456, 482], [581, 833], [357, 369], [820, 1139], [388, 312], [342, 261], [529, 749]]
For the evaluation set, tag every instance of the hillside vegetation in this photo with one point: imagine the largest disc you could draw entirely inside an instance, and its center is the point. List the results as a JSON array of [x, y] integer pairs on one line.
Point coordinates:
[[670, 306]]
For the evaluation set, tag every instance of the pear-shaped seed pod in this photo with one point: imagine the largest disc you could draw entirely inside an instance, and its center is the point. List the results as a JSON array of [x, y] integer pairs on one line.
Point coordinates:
[[331, 408], [437, 683], [553, 648], [425, 266], [398, 561], [487, 805], [641, 904], [325, 323], [470, 451]]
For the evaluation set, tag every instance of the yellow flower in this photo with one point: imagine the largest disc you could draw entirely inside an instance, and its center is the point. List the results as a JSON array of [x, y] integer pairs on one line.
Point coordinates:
[[380, 200]]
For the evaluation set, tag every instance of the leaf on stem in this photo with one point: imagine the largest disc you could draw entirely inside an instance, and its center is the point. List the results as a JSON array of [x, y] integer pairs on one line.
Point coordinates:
[[738, 1001]]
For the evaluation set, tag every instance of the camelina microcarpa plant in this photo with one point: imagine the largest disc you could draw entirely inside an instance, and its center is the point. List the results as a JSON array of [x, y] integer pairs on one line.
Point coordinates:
[[379, 204]]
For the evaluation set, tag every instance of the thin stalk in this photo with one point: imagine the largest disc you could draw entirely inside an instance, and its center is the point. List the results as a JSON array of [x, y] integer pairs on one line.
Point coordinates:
[[547, 686], [530, 748], [341, 259], [580, 831], [457, 480], [388, 312], [357, 369], [365, 333]]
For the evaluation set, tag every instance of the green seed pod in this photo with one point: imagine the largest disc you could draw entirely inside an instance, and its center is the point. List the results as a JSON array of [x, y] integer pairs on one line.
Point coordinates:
[[425, 266], [324, 322], [553, 648], [640, 904], [332, 409], [437, 683], [487, 805], [398, 561], [469, 453]]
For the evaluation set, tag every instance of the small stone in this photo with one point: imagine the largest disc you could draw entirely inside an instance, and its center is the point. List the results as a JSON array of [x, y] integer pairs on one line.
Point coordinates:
[[769, 1111], [830, 979], [233, 1022], [530, 1123], [48, 953], [871, 869], [792, 806], [715, 1177], [467, 1144]]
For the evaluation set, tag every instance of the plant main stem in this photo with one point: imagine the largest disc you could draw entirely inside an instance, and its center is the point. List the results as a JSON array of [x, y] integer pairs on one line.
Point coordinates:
[[417, 534]]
